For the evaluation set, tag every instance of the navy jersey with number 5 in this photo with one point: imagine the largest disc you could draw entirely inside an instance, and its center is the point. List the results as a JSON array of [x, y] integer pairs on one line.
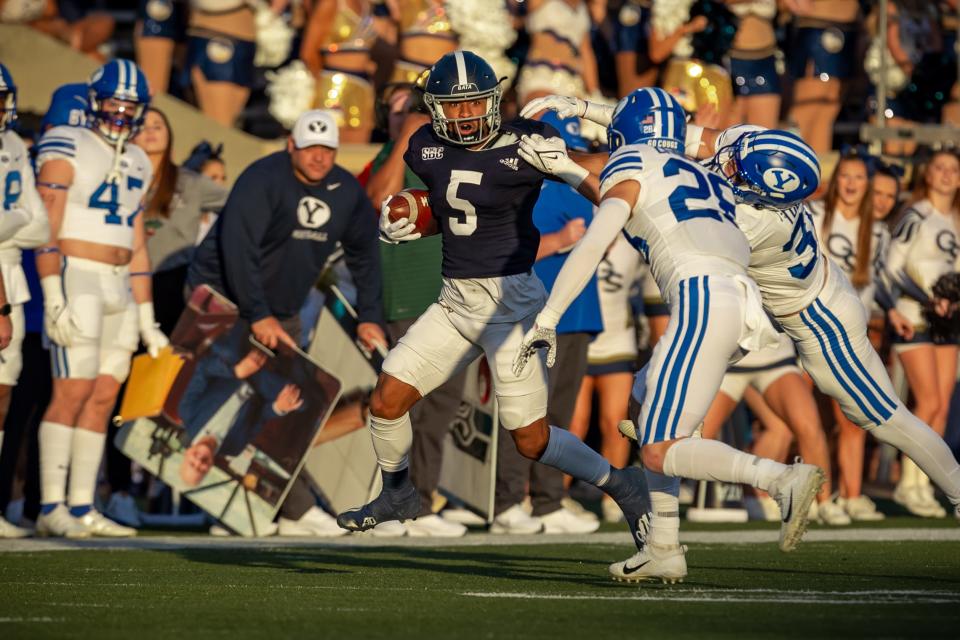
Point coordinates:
[[483, 200]]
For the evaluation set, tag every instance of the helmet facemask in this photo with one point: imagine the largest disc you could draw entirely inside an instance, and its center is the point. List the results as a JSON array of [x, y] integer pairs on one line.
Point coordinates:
[[116, 125], [448, 128], [8, 109]]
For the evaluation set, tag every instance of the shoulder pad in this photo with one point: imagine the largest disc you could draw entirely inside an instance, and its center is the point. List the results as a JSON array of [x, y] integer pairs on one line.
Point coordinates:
[[59, 143], [626, 163]]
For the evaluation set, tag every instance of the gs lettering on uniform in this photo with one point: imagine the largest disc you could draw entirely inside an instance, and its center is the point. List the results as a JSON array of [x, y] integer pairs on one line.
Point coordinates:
[[947, 241]]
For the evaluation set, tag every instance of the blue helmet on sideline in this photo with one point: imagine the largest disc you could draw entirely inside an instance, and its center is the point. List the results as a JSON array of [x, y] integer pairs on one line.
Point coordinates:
[[124, 82], [773, 168], [68, 106], [569, 129], [648, 116], [8, 99]]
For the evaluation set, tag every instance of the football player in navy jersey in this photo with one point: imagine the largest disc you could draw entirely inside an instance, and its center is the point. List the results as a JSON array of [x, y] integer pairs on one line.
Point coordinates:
[[482, 195]]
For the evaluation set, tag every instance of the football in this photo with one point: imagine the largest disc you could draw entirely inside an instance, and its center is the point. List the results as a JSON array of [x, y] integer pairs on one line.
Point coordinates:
[[413, 204]]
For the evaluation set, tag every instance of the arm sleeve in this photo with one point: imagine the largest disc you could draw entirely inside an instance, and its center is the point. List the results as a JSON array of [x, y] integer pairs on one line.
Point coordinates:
[[582, 262], [361, 252], [246, 217]]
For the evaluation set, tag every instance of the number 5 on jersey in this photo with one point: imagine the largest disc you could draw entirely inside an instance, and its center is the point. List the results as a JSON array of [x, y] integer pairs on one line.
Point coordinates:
[[467, 224], [107, 196]]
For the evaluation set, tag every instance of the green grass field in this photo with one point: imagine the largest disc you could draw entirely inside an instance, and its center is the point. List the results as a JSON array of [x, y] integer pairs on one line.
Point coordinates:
[[556, 591]]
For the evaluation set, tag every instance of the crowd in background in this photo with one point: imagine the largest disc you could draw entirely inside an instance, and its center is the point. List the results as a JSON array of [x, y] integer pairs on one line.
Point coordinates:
[[809, 65]]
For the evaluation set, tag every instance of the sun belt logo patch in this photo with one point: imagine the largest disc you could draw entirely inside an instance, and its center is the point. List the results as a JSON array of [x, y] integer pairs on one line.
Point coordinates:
[[431, 153], [782, 180]]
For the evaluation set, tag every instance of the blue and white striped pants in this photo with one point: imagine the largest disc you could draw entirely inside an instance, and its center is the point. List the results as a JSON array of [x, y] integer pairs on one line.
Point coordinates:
[[678, 385], [831, 340]]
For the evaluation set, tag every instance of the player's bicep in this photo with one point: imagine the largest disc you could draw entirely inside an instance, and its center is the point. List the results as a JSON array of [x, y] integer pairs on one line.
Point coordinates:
[[53, 184]]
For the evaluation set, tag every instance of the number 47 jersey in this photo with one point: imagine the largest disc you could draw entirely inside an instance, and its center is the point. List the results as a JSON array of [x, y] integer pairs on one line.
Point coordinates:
[[97, 210], [683, 221]]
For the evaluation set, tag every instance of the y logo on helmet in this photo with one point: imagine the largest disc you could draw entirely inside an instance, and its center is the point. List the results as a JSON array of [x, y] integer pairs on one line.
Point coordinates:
[[782, 180], [313, 213], [317, 126]]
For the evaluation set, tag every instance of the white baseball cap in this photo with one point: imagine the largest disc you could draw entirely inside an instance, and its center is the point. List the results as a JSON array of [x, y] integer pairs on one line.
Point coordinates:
[[316, 127]]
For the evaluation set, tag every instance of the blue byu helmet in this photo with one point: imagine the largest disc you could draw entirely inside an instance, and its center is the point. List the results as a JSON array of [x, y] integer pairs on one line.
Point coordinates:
[[569, 129], [119, 80], [8, 99], [68, 106], [773, 168], [461, 76], [648, 116]]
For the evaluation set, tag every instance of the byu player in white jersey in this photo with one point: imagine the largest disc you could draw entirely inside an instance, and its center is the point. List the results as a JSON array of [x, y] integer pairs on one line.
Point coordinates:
[[93, 183], [680, 217], [23, 224], [814, 301]]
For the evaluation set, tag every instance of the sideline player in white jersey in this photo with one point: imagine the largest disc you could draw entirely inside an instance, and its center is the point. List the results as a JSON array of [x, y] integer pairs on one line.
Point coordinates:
[[679, 216], [23, 224], [95, 275]]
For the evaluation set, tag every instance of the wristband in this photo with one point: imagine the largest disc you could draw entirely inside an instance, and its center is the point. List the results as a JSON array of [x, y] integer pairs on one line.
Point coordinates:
[[597, 112], [573, 174], [45, 250]]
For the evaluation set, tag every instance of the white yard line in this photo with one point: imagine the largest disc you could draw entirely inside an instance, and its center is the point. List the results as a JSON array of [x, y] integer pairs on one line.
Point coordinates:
[[764, 596], [764, 536]]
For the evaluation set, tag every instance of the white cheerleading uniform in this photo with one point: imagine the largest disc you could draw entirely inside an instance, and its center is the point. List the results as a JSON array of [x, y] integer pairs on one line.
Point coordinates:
[[102, 211], [840, 244], [924, 247], [24, 226], [615, 348], [682, 224]]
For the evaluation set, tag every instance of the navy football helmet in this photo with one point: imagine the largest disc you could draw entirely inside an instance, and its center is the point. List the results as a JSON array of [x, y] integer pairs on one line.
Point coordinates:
[[123, 81], [648, 116], [462, 76], [8, 99], [774, 168]]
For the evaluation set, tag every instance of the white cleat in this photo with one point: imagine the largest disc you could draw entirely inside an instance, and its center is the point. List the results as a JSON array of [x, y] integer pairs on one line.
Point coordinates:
[[667, 564], [60, 524], [389, 529], [578, 509], [861, 509], [794, 490], [433, 526], [611, 510], [830, 513], [9, 530], [315, 523], [565, 521], [101, 526], [516, 521], [919, 501]]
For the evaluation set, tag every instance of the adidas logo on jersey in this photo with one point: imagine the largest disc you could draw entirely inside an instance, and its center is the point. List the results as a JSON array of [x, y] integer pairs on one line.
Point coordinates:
[[512, 163]]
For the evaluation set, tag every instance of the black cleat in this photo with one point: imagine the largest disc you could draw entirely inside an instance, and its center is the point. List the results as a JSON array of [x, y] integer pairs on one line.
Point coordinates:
[[402, 503], [628, 487]]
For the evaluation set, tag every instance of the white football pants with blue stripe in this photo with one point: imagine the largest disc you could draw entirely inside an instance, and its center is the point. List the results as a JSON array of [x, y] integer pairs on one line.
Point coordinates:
[[708, 324], [831, 339]]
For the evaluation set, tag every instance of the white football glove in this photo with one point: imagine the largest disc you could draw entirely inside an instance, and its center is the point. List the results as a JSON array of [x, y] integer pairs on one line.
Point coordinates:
[[58, 322], [549, 155], [395, 232], [569, 107], [536, 338], [153, 339]]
